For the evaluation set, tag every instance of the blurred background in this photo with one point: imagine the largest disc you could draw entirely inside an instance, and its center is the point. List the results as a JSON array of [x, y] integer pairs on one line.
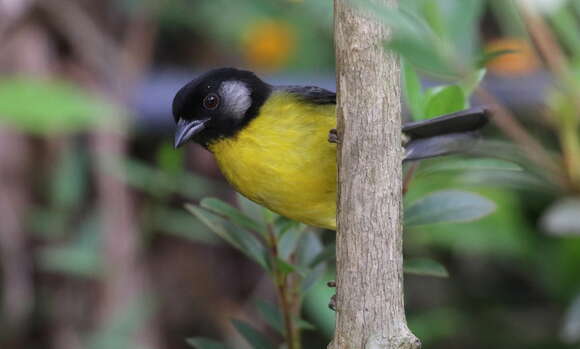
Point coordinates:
[[97, 250]]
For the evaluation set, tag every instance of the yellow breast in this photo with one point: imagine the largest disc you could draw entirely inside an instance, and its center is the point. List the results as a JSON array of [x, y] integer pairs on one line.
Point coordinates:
[[282, 159]]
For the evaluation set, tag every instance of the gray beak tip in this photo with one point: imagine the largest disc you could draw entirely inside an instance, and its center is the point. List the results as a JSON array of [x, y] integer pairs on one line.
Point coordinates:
[[186, 130]]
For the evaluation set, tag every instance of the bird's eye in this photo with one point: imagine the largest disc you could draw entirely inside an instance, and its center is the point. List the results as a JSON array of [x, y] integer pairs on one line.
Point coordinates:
[[211, 101]]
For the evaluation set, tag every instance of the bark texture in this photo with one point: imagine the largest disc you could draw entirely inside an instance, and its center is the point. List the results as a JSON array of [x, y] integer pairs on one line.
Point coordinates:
[[370, 307]]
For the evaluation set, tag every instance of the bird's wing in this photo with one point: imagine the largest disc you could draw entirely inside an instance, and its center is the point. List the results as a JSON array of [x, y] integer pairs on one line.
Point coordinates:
[[312, 94]]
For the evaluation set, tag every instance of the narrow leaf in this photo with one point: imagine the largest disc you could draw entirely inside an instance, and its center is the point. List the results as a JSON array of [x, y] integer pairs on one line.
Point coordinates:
[[425, 267], [444, 100], [421, 53], [250, 208], [446, 207], [58, 107], [283, 224], [327, 254], [271, 314], [304, 325], [469, 165], [312, 277], [236, 216], [239, 238], [287, 268], [287, 244], [255, 338], [309, 247], [412, 89], [472, 81]]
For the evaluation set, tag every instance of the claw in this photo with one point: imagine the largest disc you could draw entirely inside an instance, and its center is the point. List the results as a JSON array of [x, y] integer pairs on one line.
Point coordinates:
[[332, 303], [333, 136]]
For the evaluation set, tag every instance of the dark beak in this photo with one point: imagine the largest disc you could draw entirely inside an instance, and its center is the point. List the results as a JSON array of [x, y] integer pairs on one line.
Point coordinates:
[[187, 129]]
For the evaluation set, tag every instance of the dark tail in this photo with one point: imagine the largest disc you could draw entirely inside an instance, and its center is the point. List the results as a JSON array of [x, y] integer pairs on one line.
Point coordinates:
[[447, 134]]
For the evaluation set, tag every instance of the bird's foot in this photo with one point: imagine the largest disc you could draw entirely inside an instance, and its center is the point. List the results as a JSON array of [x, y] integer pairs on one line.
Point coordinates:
[[333, 136], [332, 303], [405, 139]]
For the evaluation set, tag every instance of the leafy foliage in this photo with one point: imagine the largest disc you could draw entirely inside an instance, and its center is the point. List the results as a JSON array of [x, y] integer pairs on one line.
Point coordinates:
[[447, 206], [51, 107]]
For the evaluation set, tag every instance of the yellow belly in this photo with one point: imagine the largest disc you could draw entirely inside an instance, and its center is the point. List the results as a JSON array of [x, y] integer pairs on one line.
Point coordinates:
[[283, 160]]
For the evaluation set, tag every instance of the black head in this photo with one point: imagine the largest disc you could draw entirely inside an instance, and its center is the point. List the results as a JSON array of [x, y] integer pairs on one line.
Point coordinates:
[[217, 104]]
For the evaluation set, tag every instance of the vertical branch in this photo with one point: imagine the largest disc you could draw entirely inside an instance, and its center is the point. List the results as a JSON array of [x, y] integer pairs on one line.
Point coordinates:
[[370, 307], [284, 289], [125, 279], [17, 288], [25, 51]]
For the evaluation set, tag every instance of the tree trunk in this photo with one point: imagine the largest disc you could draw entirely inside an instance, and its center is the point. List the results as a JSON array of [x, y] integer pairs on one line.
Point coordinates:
[[370, 306]]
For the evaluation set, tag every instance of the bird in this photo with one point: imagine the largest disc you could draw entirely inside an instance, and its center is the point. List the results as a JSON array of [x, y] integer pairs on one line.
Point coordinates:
[[272, 143]]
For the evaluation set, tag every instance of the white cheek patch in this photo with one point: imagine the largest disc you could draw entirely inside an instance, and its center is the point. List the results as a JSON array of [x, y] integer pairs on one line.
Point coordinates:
[[236, 97]]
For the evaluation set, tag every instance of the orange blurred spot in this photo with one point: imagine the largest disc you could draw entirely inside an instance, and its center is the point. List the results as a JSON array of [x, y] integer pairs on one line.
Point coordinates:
[[268, 45], [520, 62]]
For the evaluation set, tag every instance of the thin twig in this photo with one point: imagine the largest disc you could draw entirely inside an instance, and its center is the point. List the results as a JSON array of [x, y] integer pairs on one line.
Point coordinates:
[[17, 293], [281, 285], [547, 45], [557, 62], [533, 149]]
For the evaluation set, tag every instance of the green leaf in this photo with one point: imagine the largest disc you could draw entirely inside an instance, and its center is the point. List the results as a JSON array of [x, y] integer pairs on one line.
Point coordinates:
[[304, 325], [432, 13], [205, 343], [287, 268], [312, 277], [422, 54], [250, 208], [444, 100], [233, 214], [283, 224], [181, 223], [50, 106], [447, 206], [565, 24], [485, 164], [268, 216], [463, 24], [169, 160], [425, 267], [254, 338], [327, 254], [71, 260], [412, 89], [472, 81], [69, 179], [159, 183], [239, 238], [271, 314], [287, 244]]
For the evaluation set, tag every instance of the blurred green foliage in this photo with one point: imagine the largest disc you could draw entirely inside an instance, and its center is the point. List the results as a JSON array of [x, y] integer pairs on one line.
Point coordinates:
[[39, 106], [521, 259]]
